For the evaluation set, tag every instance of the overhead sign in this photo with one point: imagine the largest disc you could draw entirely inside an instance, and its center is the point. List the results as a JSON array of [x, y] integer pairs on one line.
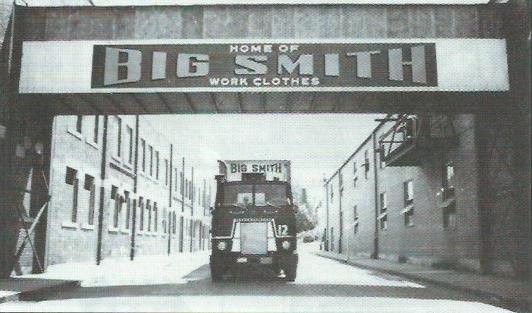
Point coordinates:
[[262, 66]]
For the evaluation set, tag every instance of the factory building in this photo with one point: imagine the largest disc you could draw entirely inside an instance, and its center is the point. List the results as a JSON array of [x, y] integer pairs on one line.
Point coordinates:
[[150, 203], [423, 189]]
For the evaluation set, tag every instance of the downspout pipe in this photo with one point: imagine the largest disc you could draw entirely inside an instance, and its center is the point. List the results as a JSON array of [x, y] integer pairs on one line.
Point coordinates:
[[135, 189], [375, 254], [102, 192], [169, 224]]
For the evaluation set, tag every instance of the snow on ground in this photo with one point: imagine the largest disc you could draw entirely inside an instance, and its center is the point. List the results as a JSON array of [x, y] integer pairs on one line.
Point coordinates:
[[319, 270], [144, 270], [256, 304]]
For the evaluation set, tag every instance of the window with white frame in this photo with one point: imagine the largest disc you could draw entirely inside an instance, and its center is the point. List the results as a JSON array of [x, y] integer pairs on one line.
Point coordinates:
[[157, 165], [163, 220], [71, 178], [166, 176], [448, 181], [128, 209], [96, 130], [366, 164], [408, 210], [150, 153], [129, 131], [118, 152], [383, 216], [90, 186], [79, 124], [355, 219], [155, 216], [141, 210], [116, 200], [355, 175], [148, 211], [143, 155]]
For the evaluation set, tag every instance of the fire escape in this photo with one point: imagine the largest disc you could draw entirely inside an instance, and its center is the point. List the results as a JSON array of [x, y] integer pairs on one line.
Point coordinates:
[[413, 138]]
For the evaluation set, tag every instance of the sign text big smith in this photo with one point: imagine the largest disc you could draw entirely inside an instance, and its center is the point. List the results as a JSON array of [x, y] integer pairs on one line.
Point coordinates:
[[264, 65]]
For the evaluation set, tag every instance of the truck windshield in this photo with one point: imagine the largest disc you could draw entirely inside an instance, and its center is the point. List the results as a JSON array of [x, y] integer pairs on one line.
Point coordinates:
[[265, 195]]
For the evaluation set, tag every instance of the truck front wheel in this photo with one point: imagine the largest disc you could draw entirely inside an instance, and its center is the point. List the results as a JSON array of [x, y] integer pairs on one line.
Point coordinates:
[[291, 273], [216, 272]]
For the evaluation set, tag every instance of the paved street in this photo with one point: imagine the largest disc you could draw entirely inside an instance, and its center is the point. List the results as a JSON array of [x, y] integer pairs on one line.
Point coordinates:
[[322, 285]]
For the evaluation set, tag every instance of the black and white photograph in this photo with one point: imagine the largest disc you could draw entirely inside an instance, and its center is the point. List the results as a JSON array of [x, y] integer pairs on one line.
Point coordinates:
[[365, 156]]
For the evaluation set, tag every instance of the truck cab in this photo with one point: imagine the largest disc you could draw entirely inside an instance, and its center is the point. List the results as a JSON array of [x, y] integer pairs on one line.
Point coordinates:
[[253, 227]]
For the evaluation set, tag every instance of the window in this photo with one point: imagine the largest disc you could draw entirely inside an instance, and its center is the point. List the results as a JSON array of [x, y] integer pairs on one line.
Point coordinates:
[[355, 177], [128, 208], [150, 149], [449, 216], [130, 145], [186, 188], [355, 219], [175, 179], [182, 185], [118, 137], [91, 188], [174, 223], [116, 197], [79, 123], [166, 172], [157, 165], [408, 195], [155, 217], [141, 209], [448, 181], [148, 208], [366, 164], [96, 129], [143, 156], [163, 220], [408, 188], [72, 179], [383, 217]]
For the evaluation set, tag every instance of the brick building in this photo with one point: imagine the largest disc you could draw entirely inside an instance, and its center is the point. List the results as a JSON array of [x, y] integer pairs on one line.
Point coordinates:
[[421, 189], [151, 203]]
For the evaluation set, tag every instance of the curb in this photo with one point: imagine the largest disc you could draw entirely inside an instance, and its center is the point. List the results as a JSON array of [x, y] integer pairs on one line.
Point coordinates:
[[10, 298], [39, 293], [521, 305]]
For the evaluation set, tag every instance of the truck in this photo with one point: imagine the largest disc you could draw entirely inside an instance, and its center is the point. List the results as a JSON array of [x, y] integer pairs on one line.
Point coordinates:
[[253, 220]]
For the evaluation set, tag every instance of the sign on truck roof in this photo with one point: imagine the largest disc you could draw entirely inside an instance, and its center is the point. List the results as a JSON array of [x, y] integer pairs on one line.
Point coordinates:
[[273, 169]]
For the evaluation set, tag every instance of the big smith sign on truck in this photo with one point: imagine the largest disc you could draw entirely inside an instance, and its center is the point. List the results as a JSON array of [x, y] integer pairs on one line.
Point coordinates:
[[272, 169]]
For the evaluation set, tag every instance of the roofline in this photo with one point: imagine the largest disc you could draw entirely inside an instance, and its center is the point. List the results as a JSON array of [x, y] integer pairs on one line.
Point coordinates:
[[133, 3], [356, 151]]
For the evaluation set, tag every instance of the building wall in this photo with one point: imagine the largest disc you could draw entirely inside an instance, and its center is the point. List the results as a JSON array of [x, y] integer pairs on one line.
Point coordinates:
[[154, 223], [263, 21], [434, 234], [78, 151]]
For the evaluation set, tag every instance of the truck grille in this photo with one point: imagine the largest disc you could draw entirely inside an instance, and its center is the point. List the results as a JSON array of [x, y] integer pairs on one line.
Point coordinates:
[[254, 238]]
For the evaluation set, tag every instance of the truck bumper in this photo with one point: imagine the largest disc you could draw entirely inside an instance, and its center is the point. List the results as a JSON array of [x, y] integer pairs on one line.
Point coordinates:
[[275, 261]]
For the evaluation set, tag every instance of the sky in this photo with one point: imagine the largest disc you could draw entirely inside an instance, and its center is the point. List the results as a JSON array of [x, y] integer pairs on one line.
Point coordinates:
[[316, 144]]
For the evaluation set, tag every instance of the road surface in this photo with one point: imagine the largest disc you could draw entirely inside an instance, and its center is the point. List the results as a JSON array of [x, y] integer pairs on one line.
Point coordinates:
[[322, 285]]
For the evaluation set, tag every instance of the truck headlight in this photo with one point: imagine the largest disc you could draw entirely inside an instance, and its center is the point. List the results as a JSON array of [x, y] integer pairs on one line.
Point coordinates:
[[222, 245], [286, 244]]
